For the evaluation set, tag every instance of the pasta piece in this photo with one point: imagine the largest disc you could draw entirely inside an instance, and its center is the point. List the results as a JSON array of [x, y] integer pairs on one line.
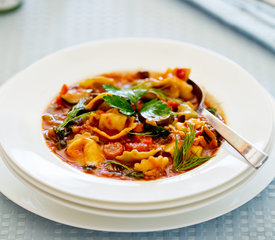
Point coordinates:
[[171, 84], [186, 110], [153, 173], [181, 126], [112, 120], [96, 82], [175, 87], [185, 90], [170, 148], [135, 156], [125, 131], [93, 153], [85, 151], [73, 96], [196, 150], [196, 122], [151, 163], [96, 101], [84, 135]]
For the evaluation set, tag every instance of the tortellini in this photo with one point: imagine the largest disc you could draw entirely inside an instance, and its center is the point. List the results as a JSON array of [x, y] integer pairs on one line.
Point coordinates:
[[170, 83], [185, 90], [112, 120], [85, 151], [125, 131], [96, 101], [176, 87]]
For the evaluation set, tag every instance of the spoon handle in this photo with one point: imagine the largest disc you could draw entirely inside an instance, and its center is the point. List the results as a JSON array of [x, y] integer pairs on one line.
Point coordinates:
[[253, 155]]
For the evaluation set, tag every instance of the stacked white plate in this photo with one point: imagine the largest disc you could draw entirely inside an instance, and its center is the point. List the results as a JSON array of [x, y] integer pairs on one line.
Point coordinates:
[[222, 184]]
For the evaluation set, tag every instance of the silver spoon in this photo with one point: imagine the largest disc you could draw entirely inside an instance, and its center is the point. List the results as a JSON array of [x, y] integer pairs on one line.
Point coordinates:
[[253, 155]]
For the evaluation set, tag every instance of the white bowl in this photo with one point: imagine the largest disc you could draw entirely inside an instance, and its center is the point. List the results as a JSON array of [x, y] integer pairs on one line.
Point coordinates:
[[25, 96]]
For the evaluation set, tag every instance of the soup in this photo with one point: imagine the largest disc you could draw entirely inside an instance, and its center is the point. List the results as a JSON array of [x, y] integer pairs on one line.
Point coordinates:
[[131, 125]]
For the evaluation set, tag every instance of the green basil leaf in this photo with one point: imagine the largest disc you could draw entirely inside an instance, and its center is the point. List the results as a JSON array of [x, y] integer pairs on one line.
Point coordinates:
[[120, 103], [153, 109], [132, 95]]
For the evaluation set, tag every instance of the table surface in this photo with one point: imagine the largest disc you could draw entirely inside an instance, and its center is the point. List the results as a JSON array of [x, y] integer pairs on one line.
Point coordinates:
[[38, 28]]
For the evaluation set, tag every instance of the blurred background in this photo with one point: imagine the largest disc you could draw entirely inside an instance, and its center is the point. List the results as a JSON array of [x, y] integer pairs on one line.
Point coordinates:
[[242, 30]]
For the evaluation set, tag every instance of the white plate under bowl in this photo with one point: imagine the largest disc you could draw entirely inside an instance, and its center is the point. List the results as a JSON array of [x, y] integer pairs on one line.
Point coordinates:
[[39, 83], [37, 203]]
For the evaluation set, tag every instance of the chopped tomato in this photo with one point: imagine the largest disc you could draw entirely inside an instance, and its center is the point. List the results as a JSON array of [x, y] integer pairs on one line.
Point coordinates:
[[143, 139], [172, 104], [183, 73], [138, 128], [58, 99], [112, 150], [63, 90], [141, 144]]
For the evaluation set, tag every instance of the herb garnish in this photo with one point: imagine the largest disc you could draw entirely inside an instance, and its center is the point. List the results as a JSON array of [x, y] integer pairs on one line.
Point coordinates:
[[132, 94], [80, 106], [183, 159], [160, 94], [120, 103], [152, 109], [153, 131], [117, 166]]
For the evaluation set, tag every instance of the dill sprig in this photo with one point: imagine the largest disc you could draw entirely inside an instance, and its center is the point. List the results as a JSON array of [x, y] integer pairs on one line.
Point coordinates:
[[183, 160]]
